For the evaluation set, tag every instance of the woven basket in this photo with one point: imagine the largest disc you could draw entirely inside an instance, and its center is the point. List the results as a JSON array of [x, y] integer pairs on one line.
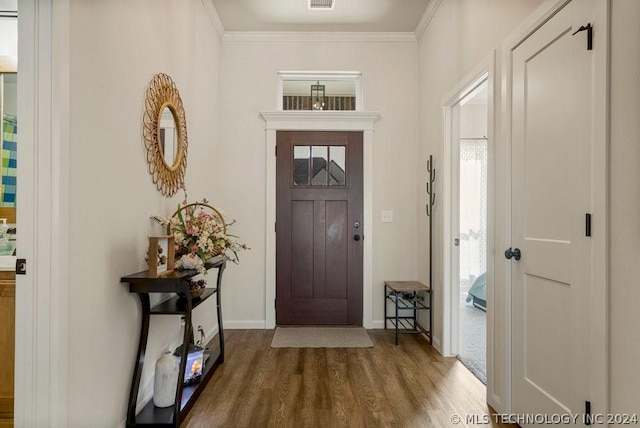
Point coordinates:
[[189, 209], [197, 290]]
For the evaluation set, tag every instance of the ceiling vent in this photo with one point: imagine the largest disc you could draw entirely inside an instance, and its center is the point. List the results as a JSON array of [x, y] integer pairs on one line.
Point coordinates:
[[321, 4]]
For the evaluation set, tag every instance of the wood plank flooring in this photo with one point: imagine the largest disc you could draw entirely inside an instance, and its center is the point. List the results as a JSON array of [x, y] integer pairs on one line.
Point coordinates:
[[410, 385]]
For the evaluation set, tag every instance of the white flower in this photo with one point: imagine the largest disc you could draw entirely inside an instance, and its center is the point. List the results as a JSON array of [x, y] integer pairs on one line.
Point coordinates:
[[191, 261]]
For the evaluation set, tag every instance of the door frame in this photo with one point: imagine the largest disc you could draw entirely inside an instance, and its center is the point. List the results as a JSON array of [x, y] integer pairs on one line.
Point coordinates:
[[319, 121], [483, 72], [599, 364], [41, 370]]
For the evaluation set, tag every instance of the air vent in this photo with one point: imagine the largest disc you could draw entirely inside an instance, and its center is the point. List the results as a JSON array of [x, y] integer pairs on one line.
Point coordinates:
[[321, 4]]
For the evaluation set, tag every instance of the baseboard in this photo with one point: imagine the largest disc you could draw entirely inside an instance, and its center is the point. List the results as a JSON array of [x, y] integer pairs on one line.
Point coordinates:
[[495, 402], [436, 344], [244, 325], [377, 324]]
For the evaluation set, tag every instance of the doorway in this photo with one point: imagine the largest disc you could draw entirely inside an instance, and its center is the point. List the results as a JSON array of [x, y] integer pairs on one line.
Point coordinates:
[[469, 226], [319, 224], [468, 214], [8, 172]]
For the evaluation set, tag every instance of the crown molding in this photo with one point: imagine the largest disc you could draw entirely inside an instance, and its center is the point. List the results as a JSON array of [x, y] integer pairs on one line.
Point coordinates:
[[309, 36], [214, 17], [319, 120], [427, 16]]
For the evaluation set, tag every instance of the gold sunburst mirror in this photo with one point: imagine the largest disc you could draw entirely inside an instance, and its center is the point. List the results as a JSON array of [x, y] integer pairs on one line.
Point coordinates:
[[165, 134]]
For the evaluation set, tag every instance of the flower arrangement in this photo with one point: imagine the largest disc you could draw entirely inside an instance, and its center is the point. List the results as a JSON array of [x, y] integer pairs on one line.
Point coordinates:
[[200, 232]]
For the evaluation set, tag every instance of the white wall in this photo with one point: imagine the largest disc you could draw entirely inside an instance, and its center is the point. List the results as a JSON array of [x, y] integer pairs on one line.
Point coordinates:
[[625, 207], [116, 48], [473, 121], [249, 77], [10, 96], [461, 34]]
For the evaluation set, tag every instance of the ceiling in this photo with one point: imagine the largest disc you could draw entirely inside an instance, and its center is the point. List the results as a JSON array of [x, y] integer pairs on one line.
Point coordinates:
[[347, 16]]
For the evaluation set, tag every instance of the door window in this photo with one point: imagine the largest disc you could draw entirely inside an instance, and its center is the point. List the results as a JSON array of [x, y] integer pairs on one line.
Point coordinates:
[[319, 166]]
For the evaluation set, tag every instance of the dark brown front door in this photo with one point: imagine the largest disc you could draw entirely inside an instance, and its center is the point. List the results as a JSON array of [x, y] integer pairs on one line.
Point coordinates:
[[319, 228]]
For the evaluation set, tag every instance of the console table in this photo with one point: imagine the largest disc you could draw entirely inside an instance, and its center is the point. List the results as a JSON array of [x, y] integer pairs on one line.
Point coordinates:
[[180, 304]]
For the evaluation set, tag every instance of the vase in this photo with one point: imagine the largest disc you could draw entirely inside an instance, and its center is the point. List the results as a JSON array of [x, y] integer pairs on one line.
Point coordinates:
[[165, 380]]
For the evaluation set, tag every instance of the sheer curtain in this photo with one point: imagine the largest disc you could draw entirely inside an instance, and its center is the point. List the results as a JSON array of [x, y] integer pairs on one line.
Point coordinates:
[[473, 210]]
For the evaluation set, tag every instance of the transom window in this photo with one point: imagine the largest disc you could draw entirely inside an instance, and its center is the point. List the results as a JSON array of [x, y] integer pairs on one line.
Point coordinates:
[[320, 91]]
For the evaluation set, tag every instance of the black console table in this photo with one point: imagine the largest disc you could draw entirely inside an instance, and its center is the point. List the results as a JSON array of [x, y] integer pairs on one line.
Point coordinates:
[[180, 304]]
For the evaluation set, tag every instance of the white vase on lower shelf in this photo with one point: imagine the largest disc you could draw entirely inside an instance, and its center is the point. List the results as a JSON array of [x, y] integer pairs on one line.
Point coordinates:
[[165, 380]]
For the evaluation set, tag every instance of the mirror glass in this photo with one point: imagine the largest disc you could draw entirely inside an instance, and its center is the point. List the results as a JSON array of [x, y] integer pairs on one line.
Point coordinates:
[[168, 136], [164, 128]]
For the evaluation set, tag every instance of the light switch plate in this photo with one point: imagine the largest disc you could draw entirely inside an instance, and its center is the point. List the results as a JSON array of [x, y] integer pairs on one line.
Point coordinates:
[[387, 216]]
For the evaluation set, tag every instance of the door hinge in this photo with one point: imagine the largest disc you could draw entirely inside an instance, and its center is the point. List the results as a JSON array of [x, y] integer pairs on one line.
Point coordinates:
[[589, 29], [276, 150], [275, 305], [275, 226], [587, 228], [587, 413], [21, 266]]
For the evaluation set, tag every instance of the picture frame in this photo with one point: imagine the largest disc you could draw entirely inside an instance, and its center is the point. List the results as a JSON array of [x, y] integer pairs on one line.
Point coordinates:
[[161, 255]]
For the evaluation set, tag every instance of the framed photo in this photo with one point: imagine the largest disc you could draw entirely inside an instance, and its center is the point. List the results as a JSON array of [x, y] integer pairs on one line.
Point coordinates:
[[161, 255]]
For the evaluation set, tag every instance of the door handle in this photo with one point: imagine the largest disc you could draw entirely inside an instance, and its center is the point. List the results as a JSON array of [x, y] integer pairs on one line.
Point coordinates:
[[356, 237], [515, 253]]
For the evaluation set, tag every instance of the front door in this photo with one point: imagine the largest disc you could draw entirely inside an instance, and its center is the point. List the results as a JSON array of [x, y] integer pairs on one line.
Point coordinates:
[[319, 228], [551, 177]]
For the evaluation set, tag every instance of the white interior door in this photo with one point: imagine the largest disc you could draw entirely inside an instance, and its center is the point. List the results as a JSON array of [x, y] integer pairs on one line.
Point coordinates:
[[551, 194]]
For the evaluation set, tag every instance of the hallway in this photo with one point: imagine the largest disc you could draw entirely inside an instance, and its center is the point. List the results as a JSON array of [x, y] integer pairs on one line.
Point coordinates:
[[409, 385]]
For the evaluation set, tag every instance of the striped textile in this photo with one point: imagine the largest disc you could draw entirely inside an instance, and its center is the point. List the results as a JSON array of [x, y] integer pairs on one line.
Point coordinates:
[[9, 152]]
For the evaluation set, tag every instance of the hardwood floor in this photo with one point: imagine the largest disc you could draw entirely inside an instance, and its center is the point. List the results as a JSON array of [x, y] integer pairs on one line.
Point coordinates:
[[410, 385]]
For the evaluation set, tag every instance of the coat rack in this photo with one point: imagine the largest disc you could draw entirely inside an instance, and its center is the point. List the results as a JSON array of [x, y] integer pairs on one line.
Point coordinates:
[[431, 200]]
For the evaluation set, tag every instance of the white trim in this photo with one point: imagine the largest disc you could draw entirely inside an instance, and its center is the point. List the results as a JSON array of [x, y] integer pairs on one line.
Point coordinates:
[[483, 72], [318, 36], [426, 18], [319, 121], [438, 345], [245, 325], [600, 220], [214, 17], [377, 324], [598, 352], [41, 397], [530, 25], [344, 76]]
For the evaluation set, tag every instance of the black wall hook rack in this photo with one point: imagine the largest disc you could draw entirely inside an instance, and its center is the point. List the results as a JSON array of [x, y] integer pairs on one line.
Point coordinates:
[[431, 200]]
